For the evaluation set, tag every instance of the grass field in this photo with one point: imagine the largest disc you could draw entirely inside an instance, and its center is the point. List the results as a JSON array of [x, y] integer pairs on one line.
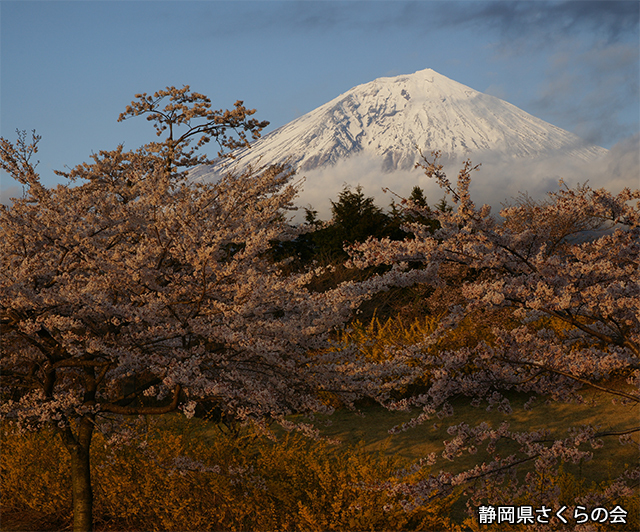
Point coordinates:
[[371, 429]]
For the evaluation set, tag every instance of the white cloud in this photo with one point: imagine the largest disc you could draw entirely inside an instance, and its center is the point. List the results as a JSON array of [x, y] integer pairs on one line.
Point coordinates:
[[498, 180], [323, 185]]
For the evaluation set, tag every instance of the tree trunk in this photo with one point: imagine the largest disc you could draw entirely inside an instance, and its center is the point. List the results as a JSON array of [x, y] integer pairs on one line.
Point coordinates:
[[79, 448]]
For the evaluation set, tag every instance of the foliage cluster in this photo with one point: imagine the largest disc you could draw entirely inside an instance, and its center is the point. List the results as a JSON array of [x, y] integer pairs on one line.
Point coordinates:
[[173, 475], [130, 290], [565, 274], [374, 338], [354, 218]]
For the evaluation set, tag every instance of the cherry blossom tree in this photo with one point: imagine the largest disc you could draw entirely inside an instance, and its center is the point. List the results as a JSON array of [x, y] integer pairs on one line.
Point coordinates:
[[131, 290], [555, 286]]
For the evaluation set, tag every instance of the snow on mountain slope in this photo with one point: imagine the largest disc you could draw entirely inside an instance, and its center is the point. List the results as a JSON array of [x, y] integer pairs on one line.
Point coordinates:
[[371, 136], [392, 117]]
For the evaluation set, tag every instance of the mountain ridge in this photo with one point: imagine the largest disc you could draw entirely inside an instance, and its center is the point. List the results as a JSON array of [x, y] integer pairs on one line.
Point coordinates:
[[392, 118]]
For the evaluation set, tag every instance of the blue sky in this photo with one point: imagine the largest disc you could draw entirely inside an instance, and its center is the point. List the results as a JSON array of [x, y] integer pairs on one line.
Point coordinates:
[[69, 68]]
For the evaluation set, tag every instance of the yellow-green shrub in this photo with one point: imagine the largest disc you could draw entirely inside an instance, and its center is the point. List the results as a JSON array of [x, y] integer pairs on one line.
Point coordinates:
[[34, 475], [375, 337], [291, 484]]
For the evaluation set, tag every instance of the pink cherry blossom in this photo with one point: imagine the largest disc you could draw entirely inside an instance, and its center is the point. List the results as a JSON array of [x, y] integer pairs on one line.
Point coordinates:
[[568, 269]]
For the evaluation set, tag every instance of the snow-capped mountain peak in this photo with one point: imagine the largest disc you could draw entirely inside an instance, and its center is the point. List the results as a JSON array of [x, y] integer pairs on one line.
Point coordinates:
[[372, 135], [394, 117]]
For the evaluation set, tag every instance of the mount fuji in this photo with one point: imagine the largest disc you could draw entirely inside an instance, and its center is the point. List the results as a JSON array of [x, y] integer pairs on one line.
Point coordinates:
[[380, 128]]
